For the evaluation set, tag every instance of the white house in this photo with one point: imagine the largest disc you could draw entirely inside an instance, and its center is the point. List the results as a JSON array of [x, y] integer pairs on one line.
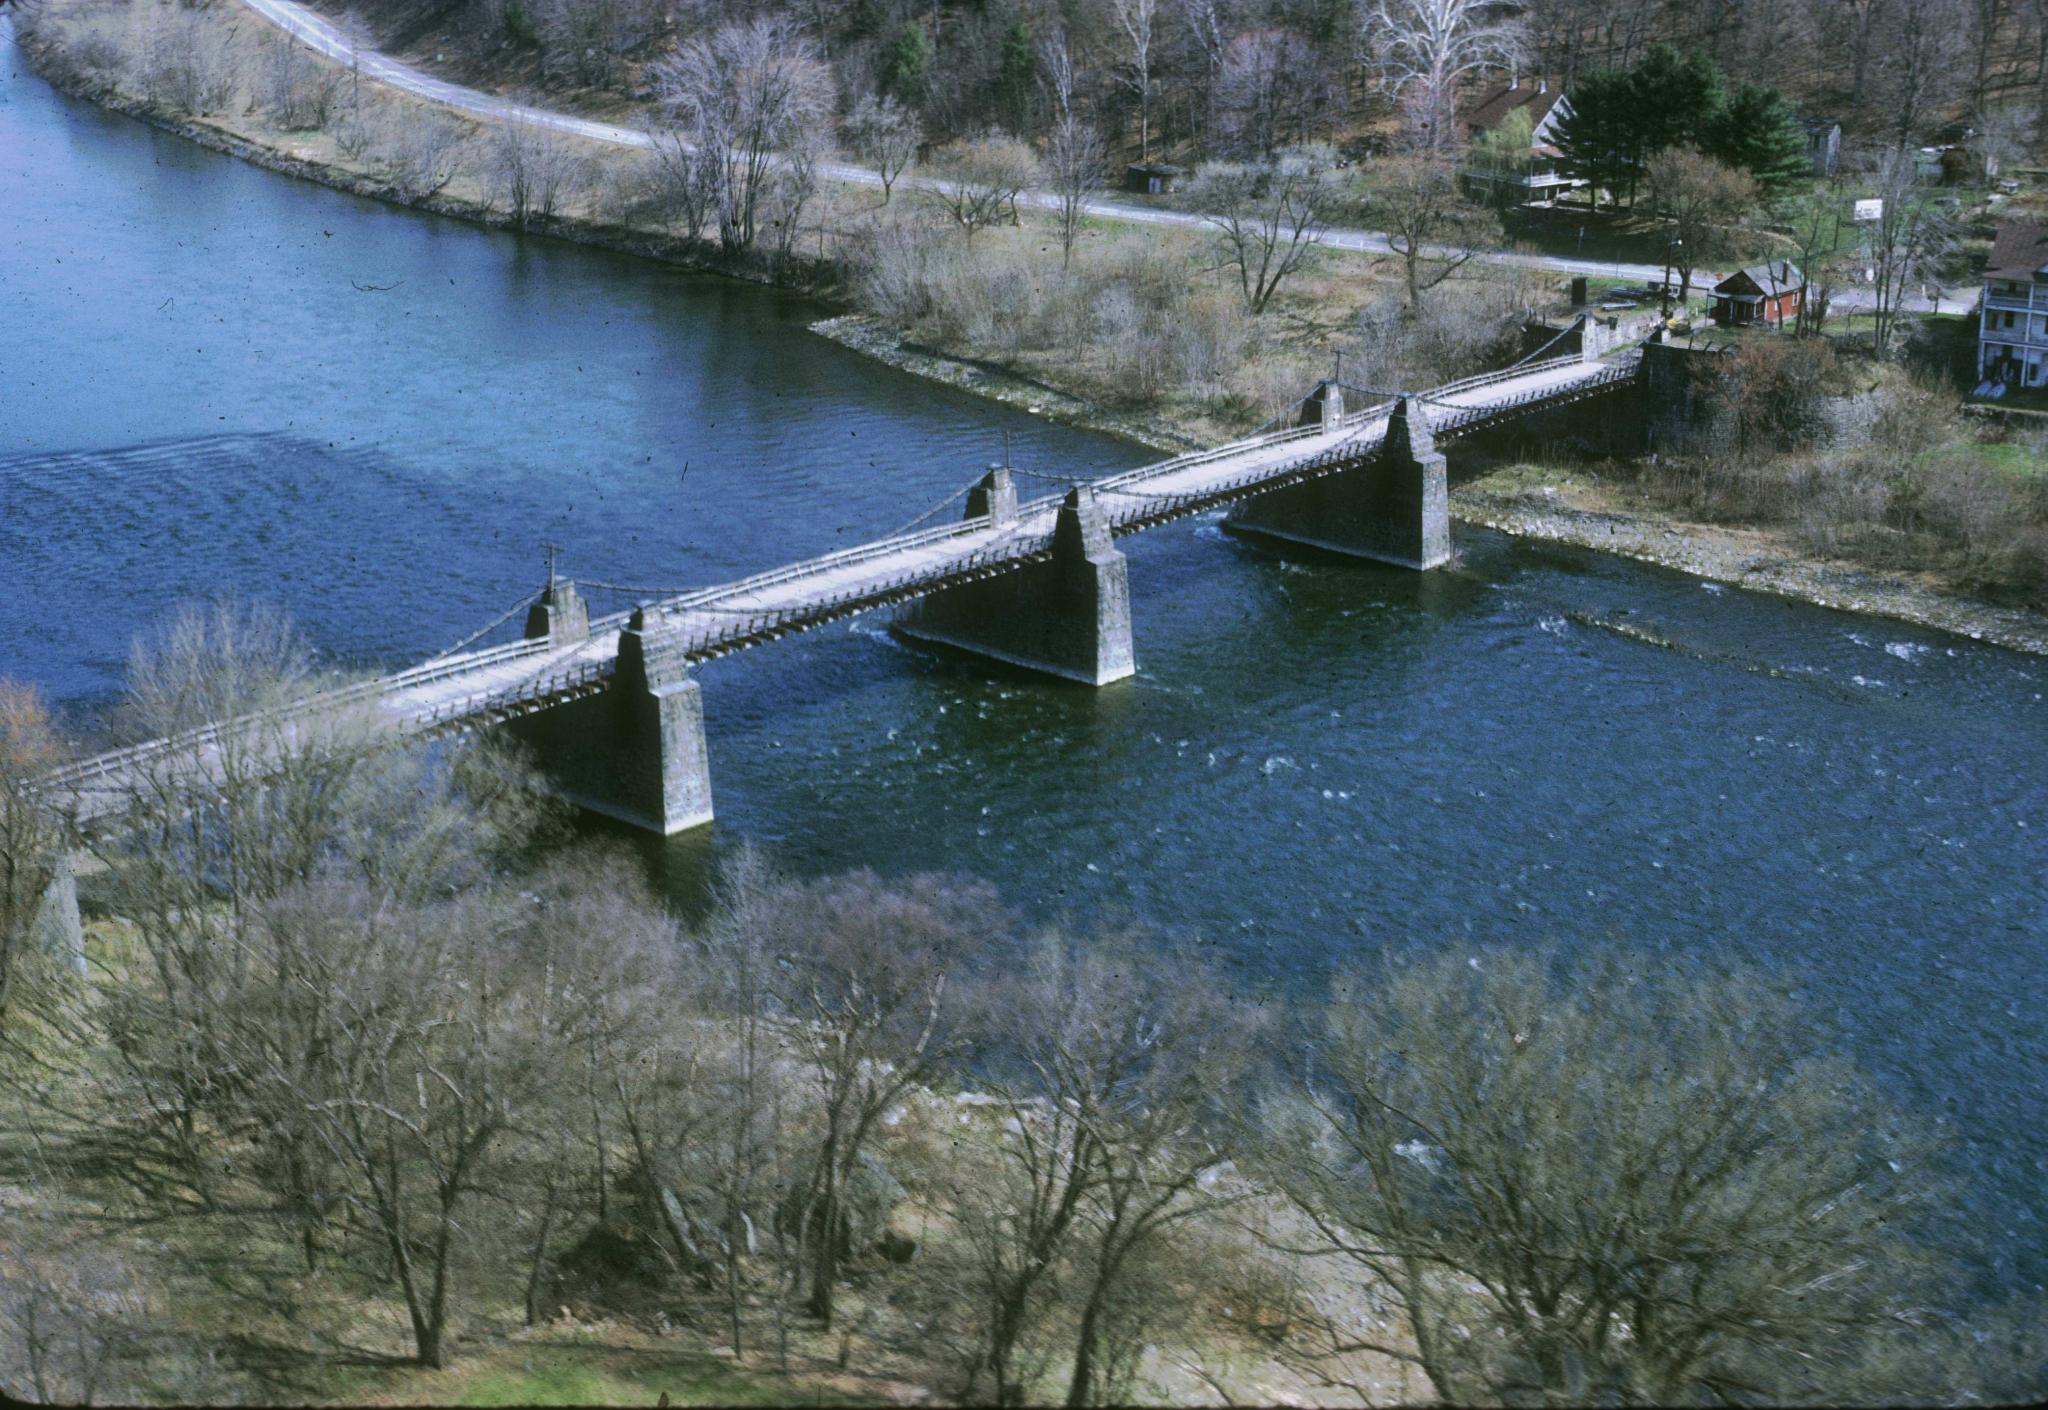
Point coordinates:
[[1542, 177], [2012, 326]]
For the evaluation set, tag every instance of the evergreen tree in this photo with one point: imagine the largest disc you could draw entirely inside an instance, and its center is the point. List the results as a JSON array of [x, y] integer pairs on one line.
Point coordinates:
[[1017, 76], [907, 70], [1621, 118], [1676, 99], [1599, 135], [1757, 133], [870, 18]]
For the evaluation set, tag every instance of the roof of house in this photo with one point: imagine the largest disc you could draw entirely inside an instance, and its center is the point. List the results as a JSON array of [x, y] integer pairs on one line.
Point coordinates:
[[1538, 95], [2019, 252], [1769, 279]]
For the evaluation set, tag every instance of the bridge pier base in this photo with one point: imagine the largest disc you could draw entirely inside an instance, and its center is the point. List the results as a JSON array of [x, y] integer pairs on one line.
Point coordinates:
[[635, 751], [1394, 508], [1069, 616]]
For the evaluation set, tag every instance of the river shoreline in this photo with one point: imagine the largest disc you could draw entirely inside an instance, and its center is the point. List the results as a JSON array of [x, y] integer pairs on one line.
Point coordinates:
[[1525, 502], [1531, 502]]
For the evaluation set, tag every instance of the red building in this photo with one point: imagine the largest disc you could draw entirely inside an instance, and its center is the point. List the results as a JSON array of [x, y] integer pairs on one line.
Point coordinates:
[[1762, 293]]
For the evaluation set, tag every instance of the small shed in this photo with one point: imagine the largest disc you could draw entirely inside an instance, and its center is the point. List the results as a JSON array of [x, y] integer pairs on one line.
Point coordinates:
[[1823, 142], [1151, 178], [1762, 293]]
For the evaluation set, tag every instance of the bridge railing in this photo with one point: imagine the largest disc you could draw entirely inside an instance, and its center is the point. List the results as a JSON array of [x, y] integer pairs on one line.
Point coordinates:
[[1602, 375], [112, 761], [813, 567]]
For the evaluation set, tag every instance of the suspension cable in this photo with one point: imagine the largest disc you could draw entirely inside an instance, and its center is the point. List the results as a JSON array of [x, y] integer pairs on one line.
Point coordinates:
[[495, 623], [957, 495], [633, 588]]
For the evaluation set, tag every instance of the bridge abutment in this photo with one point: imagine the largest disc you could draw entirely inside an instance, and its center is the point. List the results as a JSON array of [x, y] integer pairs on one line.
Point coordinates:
[[1392, 508], [635, 751], [1069, 616]]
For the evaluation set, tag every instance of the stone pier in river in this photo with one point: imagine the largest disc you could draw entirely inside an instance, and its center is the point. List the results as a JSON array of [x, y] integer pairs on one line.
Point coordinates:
[[1069, 615], [634, 748], [1393, 507]]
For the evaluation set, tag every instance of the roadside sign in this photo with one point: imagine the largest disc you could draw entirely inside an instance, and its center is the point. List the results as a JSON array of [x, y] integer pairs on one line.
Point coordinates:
[[1870, 210]]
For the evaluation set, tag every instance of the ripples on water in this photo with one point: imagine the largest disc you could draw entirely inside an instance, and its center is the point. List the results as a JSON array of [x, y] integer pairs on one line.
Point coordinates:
[[1318, 760]]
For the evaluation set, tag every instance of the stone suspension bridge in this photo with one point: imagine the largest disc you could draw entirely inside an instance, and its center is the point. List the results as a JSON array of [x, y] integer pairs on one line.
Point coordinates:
[[616, 723]]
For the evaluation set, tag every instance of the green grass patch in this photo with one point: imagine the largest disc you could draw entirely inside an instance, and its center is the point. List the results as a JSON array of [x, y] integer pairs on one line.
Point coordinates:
[[551, 1373], [552, 1384]]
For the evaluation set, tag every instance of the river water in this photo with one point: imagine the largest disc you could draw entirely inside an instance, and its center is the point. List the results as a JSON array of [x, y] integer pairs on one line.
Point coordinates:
[[218, 378]]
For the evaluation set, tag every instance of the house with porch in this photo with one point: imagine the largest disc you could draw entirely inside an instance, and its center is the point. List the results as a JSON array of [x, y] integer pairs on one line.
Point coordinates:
[[2012, 312], [1761, 293], [1538, 175]]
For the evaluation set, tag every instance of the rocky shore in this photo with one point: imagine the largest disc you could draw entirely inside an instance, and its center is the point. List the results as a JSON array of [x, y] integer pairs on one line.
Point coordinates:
[[1544, 503]]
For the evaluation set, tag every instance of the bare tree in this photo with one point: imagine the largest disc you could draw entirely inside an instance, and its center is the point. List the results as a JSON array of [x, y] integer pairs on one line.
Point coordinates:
[[31, 831], [1701, 199], [262, 783], [1816, 221], [1428, 49], [687, 182], [1270, 90], [1909, 241], [791, 186], [1077, 166], [1134, 20], [1056, 73], [976, 181], [299, 90], [1597, 1188], [1919, 65], [1429, 222], [1117, 1054], [1268, 216], [188, 64], [533, 168], [863, 985], [420, 1082], [587, 41], [2039, 11], [422, 149], [740, 95], [1854, 27], [744, 1142], [885, 135], [70, 1315]]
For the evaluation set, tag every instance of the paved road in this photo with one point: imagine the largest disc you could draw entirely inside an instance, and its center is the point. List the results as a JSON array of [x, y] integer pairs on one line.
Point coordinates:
[[321, 35]]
